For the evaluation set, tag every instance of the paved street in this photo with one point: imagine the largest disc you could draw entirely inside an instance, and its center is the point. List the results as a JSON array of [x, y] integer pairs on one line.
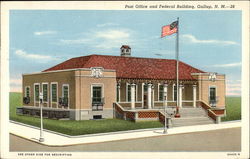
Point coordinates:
[[216, 140]]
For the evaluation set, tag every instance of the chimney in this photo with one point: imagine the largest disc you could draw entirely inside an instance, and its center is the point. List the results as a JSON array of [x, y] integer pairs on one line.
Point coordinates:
[[125, 51]]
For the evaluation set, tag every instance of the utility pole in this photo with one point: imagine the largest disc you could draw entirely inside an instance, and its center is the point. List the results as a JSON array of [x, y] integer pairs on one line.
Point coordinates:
[[41, 139]]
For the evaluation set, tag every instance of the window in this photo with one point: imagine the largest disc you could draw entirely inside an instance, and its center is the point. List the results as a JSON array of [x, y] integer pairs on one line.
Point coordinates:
[[45, 92], [66, 91], [27, 91], [36, 92], [161, 91], [96, 94], [54, 92], [212, 94], [175, 93], [65, 94], [26, 98]]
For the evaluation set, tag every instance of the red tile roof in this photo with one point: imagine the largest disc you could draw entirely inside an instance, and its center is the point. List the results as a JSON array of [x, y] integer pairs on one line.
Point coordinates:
[[131, 67]]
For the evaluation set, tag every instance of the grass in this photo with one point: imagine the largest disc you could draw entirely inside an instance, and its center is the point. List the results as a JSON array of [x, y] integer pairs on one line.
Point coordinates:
[[71, 127], [233, 109]]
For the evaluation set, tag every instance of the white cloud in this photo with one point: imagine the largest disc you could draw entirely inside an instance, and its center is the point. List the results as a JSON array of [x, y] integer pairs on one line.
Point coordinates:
[[108, 39], [48, 32], [228, 65], [104, 39], [107, 24], [76, 41], [26, 55], [193, 39], [113, 34]]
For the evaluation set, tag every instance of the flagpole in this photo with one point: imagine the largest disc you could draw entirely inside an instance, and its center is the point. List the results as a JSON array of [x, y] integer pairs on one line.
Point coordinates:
[[177, 115]]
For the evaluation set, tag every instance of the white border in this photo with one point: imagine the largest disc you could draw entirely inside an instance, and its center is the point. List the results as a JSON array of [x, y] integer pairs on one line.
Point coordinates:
[[117, 5]]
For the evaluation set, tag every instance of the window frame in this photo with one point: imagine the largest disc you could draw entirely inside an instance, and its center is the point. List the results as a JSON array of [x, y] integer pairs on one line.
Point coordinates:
[[51, 93], [46, 83], [35, 101], [63, 92], [209, 91], [97, 85]]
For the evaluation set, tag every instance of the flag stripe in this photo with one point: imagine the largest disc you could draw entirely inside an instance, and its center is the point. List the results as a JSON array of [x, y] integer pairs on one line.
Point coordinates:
[[169, 29]]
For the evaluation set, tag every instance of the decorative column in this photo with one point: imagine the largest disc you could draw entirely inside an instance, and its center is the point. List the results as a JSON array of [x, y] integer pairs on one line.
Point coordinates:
[[142, 95], [180, 95], [153, 96], [165, 94], [194, 95], [149, 96], [133, 96]]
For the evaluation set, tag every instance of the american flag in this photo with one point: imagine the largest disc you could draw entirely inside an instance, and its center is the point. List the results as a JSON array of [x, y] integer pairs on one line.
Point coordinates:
[[169, 29]]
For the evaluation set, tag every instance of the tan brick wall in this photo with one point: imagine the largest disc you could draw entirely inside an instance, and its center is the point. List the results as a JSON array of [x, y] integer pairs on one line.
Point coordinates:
[[84, 84], [65, 77], [205, 84]]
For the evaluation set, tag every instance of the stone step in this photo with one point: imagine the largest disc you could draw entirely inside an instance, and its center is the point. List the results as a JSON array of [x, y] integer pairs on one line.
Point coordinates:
[[191, 121], [190, 116], [189, 112], [193, 115]]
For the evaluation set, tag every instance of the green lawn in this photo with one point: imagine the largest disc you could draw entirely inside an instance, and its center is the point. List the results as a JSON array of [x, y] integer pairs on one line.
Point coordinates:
[[71, 127], [233, 108]]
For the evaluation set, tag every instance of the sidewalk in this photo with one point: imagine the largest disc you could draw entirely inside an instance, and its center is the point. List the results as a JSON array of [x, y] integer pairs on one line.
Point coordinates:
[[57, 139]]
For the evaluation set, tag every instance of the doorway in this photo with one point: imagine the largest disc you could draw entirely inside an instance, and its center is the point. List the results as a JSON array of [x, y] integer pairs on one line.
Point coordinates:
[[145, 101]]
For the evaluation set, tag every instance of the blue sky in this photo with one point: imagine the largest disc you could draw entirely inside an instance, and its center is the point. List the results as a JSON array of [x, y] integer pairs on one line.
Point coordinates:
[[209, 40]]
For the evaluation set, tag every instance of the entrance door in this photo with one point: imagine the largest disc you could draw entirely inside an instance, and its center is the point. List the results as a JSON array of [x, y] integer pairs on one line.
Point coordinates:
[[145, 101]]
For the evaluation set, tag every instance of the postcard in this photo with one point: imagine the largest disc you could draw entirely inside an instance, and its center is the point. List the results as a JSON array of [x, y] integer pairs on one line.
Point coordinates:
[[125, 79]]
